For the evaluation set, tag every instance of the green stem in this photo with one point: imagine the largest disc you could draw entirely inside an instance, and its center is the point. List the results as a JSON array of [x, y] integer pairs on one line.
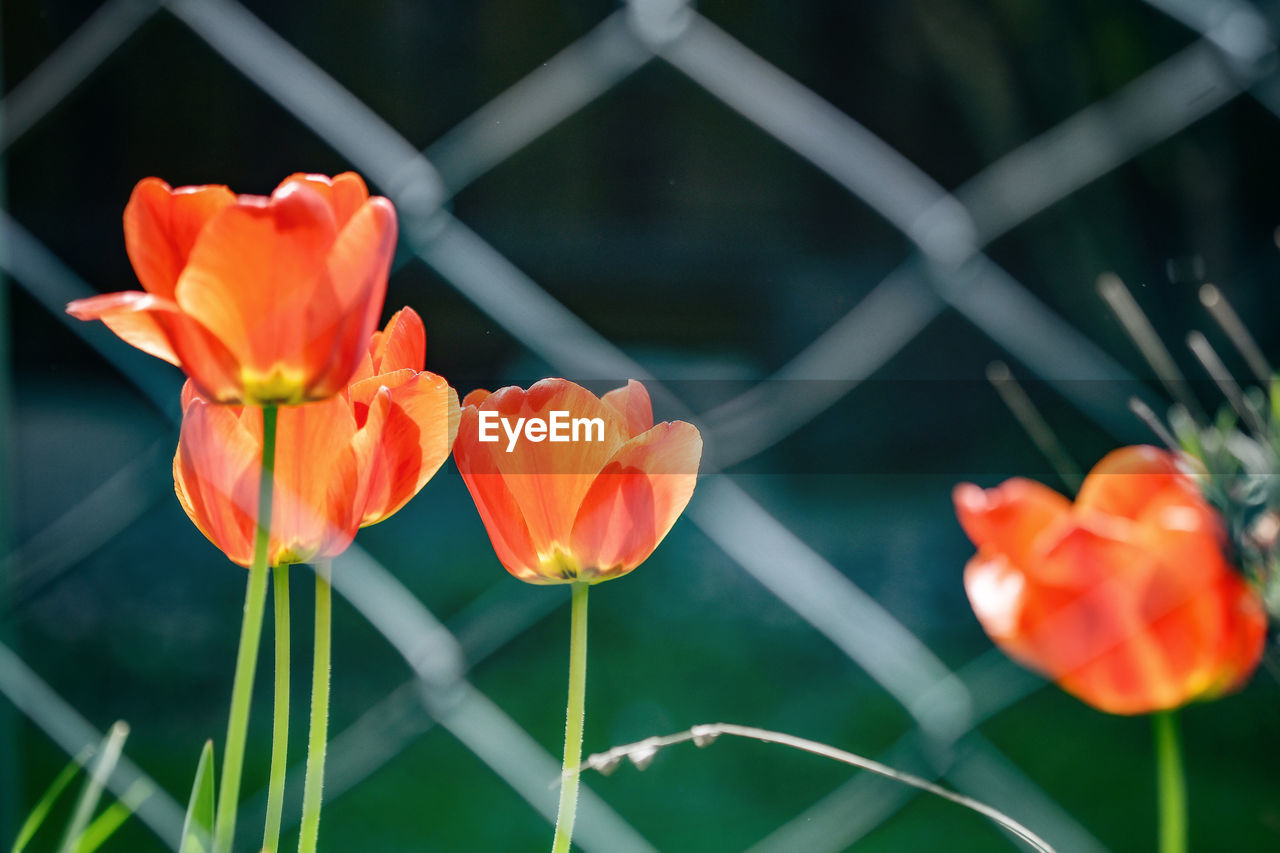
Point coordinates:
[[280, 723], [1170, 783], [250, 635], [574, 716], [313, 789]]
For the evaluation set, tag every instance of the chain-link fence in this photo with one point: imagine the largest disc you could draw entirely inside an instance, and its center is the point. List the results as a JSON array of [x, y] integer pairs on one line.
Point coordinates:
[[946, 271]]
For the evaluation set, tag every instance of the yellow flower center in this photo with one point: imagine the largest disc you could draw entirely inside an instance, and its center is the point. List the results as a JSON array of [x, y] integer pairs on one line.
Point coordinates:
[[281, 386], [559, 564]]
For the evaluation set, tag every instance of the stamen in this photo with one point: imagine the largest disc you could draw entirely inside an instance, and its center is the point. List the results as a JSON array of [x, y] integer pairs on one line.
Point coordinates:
[[1227, 318], [1025, 412], [1135, 322], [1217, 371]]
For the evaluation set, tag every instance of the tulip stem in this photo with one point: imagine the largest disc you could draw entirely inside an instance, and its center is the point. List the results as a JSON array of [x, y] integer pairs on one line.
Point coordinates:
[[313, 788], [250, 635], [1170, 782], [573, 721], [280, 721]]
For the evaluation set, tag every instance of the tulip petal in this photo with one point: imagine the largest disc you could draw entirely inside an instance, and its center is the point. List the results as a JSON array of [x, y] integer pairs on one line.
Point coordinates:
[[131, 315], [158, 327], [408, 436], [476, 397], [351, 295], [345, 193], [1136, 634], [161, 225], [501, 514], [1245, 638], [253, 280], [317, 482], [631, 401], [401, 345], [215, 475], [1011, 517], [1125, 480], [633, 503], [1087, 640], [361, 394]]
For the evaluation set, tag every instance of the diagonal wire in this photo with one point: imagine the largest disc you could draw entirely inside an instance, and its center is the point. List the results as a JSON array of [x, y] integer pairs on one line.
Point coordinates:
[[345, 122], [1234, 27], [850, 618], [824, 372], [842, 148], [68, 66], [1176, 93], [564, 84], [52, 284], [47, 556]]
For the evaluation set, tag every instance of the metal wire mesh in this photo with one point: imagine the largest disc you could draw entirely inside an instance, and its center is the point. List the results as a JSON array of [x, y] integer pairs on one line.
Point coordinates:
[[946, 272]]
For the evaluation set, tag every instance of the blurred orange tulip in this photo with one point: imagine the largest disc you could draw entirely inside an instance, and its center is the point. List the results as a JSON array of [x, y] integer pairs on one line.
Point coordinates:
[[340, 464], [1123, 598], [586, 509], [260, 300]]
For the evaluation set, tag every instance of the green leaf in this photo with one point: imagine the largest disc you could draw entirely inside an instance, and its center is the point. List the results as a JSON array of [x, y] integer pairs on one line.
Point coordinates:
[[197, 829], [41, 809], [103, 765], [113, 817]]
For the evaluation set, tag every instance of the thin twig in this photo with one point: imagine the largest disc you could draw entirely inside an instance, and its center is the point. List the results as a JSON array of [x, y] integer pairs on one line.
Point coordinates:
[[641, 754], [1153, 422], [1229, 321], [1226, 383], [1026, 413], [1135, 322]]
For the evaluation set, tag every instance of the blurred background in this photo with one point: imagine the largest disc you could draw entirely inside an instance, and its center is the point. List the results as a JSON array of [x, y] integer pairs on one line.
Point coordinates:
[[811, 227]]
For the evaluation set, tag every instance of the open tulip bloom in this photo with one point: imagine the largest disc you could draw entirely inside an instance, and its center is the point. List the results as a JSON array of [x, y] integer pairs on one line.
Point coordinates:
[[1123, 598], [260, 300], [585, 509], [340, 464], [582, 498]]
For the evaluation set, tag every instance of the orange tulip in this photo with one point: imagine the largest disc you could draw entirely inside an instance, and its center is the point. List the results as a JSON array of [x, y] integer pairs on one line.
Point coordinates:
[[340, 464], [589, 508], [260, 300], [1123, 598]]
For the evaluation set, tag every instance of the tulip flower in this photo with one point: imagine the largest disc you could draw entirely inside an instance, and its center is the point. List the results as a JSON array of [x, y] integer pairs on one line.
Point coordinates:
[[588, 509], [1124, 597], [574, 488], [261, 301], [340, 464]]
